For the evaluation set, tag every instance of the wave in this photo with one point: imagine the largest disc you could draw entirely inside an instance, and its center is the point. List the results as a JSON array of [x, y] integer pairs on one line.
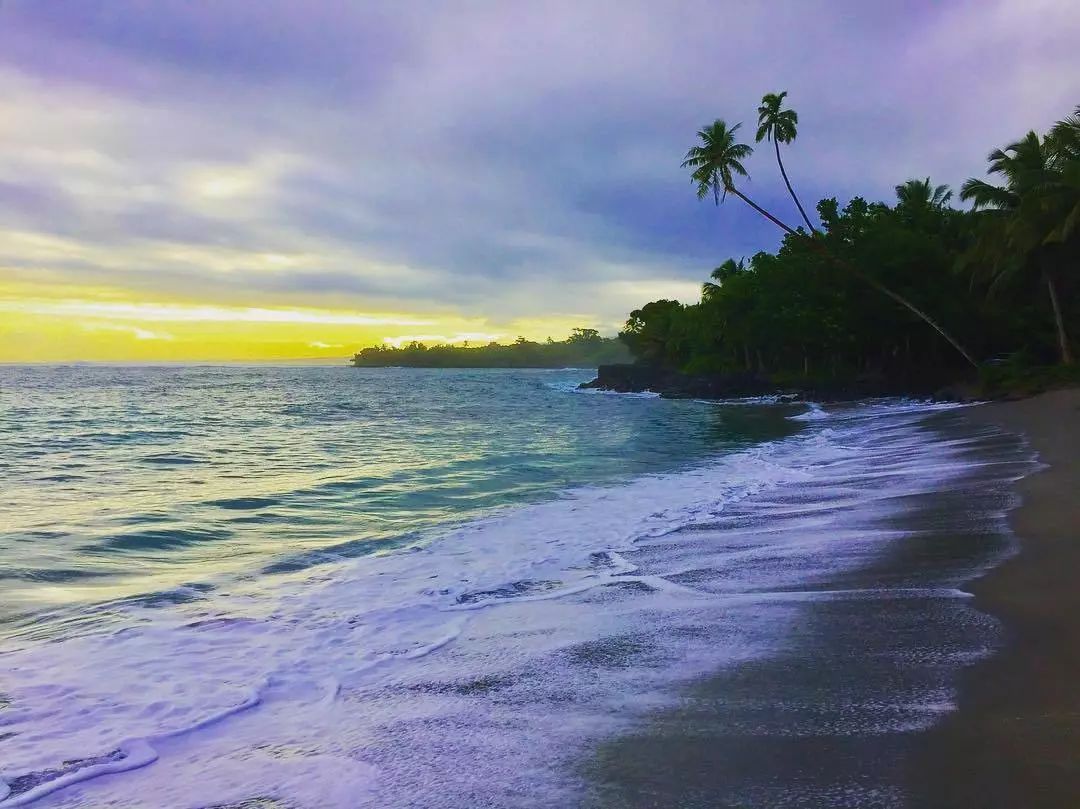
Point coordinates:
[[575, 387], [314, 682]]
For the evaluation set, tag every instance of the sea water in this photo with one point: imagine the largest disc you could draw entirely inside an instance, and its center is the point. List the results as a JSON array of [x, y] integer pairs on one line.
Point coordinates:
[[321, 587]]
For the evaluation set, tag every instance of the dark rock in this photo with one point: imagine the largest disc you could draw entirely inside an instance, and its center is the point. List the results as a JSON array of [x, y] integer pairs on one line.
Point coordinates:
[[671, 384]]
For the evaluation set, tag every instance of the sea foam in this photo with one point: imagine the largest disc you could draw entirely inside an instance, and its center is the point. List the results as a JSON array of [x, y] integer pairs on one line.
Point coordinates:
[[489, 655]]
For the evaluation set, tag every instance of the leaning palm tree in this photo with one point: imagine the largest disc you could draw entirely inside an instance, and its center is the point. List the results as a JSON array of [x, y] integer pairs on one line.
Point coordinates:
[[780, 126], [717, 161], [1028, 219]]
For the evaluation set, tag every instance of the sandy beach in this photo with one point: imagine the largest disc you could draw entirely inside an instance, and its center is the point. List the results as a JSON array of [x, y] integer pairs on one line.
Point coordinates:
[[876, 657], [1015, 740], [830, 722]]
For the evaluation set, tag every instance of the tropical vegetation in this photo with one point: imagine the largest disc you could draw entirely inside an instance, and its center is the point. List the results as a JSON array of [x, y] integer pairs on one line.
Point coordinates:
[[584, 348], [906, 288]]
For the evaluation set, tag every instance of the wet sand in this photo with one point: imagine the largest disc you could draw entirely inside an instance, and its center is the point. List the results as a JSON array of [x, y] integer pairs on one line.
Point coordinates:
[[842, 716], [1015, 740]]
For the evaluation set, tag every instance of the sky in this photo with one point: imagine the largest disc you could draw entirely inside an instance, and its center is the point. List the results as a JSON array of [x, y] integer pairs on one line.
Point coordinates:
[[272, 179]]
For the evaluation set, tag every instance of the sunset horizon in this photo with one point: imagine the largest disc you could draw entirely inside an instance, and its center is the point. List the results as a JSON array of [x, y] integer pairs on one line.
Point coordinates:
[[478, 174]]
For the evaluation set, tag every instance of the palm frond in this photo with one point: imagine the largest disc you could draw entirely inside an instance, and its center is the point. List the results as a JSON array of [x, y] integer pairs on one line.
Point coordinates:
[[716, 160], [984, 195], [775, 123]]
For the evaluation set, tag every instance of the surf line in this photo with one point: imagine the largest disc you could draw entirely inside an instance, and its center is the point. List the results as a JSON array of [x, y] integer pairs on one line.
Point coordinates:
[[134, 754]]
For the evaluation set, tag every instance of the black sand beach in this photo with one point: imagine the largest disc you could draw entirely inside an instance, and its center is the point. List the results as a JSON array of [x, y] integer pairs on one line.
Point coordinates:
[[858, 712], [1015, 741]]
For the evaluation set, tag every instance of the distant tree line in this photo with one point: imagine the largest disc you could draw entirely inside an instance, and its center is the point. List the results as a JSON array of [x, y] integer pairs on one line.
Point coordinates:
[[906, 287], [584, 348]]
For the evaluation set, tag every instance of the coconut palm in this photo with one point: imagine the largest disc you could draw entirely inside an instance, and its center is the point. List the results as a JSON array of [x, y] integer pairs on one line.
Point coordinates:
[[728, 269], [717, 161], [920, 194], [924, 205], [1064, 144], [780, 126], [1029, 218]]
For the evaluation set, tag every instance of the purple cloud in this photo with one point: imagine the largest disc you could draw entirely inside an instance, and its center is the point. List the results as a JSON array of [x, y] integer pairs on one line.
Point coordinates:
[[518, 158]]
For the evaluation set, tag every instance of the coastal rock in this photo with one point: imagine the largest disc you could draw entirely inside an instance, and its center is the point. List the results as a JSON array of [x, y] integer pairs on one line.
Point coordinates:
[[629, 378], [672, 384]]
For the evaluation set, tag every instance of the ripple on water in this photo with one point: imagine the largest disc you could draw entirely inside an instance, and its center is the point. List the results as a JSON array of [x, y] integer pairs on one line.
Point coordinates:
[[185, 594], [57, 575], [245, 503], [170, 459], [157, 540]]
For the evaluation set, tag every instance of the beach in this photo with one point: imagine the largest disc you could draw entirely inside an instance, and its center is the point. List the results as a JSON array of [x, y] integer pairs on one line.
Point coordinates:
[[634, 602], [835, 719], [1015, 740]]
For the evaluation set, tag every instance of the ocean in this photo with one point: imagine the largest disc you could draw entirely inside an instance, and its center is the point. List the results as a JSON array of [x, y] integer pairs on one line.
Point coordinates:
[[321, 586]]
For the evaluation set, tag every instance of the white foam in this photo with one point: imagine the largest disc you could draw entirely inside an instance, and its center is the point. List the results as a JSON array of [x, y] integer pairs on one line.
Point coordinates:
[[813, 412], [641, 394], [290, 688], [770, 399]]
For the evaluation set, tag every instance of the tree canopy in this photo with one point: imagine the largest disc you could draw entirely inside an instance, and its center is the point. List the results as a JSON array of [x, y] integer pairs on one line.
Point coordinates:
[[1002, 278], [584, 348]]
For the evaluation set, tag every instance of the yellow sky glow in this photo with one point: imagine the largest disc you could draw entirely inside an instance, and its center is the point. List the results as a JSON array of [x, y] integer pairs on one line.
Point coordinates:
[[41, 329]]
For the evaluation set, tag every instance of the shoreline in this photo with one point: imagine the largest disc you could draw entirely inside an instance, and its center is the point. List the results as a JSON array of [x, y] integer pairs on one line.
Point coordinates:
[[1014, 739], [839, 712], [673, 384]]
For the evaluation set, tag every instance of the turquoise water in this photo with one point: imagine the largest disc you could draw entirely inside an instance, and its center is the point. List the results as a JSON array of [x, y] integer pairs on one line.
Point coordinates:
[[330, 587], [141, 482]]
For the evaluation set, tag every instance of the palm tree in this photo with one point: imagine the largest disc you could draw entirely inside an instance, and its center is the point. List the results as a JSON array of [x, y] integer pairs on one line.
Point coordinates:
[[1064, 144], [717, 161], [920, 194], [727, 270], [1027, 220], [924, 206], [780, 126]]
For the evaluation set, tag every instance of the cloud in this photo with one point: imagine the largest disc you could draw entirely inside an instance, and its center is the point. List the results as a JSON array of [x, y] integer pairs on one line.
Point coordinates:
[[135, 331], [497, 161], [175, 313], [442, 339]]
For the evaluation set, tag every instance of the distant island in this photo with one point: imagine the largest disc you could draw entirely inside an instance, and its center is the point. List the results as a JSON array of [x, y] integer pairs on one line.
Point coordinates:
[[584, 348]]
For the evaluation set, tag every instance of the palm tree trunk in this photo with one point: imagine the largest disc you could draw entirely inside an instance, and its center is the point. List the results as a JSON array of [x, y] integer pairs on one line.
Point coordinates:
[[847, 266], [1059, 322], [791, 190]]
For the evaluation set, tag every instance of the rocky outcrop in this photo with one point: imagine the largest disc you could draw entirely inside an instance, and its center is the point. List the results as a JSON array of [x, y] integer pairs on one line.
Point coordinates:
[[632, 378], [628, 378]]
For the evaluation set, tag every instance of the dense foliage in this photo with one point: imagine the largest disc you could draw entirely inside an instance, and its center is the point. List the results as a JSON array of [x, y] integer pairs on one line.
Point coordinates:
[[901, 289], [584, 348]]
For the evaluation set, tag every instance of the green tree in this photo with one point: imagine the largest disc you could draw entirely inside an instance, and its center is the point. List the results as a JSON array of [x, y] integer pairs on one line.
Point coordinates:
[[920, 194], [717, 161], [652, 332], [580, 335], [1025, 221], [1064, 142], [780, 126], [725, 272]]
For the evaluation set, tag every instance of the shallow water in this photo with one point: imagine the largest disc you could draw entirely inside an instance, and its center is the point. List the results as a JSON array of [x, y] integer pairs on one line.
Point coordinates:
[[133, 482], [329, 587]]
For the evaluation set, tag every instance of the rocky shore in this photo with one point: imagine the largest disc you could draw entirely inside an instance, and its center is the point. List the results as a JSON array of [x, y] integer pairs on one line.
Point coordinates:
[[671, 384]]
